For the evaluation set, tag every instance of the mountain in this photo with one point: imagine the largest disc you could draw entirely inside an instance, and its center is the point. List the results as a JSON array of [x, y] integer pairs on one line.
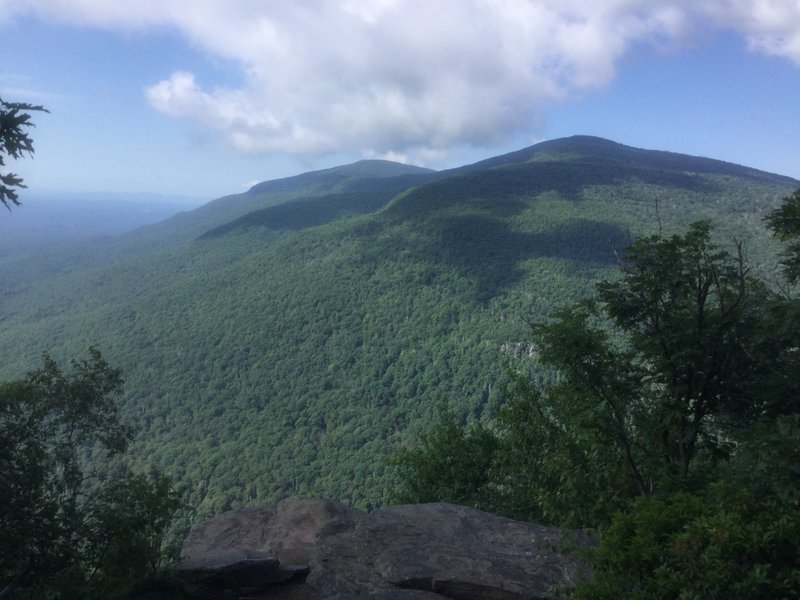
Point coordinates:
[[47, 242], [352, 189], [286, 340]]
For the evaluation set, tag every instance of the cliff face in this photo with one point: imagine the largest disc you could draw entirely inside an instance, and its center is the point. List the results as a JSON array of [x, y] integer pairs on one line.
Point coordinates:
[[313, 549]]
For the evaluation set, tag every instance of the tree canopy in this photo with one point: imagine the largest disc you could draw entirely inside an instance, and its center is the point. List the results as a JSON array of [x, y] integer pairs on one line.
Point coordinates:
[[785, 223], [671, 426], [66, 530], [15, 143]]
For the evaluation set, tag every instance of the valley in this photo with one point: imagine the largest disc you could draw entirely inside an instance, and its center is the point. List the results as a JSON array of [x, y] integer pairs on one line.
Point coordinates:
[[286, 341]]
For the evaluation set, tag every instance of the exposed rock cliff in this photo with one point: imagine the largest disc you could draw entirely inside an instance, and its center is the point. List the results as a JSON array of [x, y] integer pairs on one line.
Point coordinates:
[[312, 549]]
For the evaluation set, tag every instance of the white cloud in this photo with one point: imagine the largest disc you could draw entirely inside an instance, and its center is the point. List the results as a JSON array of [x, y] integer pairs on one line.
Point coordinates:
[[408, 77], [770, 26], [412, 77]]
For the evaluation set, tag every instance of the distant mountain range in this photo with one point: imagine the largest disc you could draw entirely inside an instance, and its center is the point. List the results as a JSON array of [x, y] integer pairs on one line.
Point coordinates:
[[46, 218], [286, 340]]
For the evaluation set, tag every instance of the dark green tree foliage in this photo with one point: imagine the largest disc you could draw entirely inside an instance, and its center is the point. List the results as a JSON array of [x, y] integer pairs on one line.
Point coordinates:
[[550, 468], [722, 544], [785, 224], [64, 532], [526, 464], [670, 362], [130, 519], [452, 463], [736, 538], [672, 427], [723, 518], [15, 143], [658, 376]]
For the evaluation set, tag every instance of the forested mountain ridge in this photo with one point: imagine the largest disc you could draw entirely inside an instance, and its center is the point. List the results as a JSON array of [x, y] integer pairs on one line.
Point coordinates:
[[585, 147], [352, 182], [321, 196], [287, 340]]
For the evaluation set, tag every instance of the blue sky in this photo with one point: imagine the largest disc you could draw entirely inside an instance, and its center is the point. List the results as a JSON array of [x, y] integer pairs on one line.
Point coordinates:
[[206, 98]]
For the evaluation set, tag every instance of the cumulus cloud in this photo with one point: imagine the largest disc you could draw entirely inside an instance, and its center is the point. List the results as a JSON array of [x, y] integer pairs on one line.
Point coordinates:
[[402, 76], [770, 26], [408, 77]]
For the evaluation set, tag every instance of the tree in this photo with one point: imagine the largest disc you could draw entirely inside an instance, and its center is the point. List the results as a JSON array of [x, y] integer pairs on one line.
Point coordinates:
[[725, 543], [659, 375], [60, 525], [451, 464], [706, 420], [670, 363], [15, 143], [673, 427], [129, 522], [785, 225]]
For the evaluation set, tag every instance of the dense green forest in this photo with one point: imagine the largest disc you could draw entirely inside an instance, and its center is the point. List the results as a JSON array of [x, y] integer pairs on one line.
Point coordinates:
[[76, 522], [290, 339], [670, 428]]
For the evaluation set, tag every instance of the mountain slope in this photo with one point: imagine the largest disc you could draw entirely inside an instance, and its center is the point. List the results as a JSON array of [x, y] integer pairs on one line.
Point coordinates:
[[597, 150], [300, 201], [275, 355], [381, 179]]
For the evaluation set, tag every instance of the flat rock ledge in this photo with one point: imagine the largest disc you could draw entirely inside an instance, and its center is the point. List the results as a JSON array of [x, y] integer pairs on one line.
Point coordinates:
[[305, 549]]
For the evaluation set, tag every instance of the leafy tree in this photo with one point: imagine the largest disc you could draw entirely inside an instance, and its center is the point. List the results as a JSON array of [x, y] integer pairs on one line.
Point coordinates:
[[15, 143], [785, 224], [451, 464], [722, 544], [672, 361], [65, 531], [672, 426], [658, 376], [718, 362], [130, 519], [550, 469]]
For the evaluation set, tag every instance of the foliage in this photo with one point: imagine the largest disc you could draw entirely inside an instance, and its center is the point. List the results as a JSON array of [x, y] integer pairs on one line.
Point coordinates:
[[131, 518], [65, 532], [720, 544], [692, 364], [524, 465], [15, 143], [737, 538], [550, 469], [326, 347], [672, 427], [659, 375], [785, 224], [452, 464], [730, 529]]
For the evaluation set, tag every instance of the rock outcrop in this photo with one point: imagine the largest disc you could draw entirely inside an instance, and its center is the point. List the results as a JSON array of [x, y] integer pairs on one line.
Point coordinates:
[[288, 530], [311, 549]]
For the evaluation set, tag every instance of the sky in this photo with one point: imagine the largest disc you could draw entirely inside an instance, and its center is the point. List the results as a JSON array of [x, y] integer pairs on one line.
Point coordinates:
[[207, 97]]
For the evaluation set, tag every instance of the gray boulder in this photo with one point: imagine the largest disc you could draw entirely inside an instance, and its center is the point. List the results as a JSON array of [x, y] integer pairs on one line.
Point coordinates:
[[234, 571], [314, 549], [287, 531], [393, 594], [454, 551]]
